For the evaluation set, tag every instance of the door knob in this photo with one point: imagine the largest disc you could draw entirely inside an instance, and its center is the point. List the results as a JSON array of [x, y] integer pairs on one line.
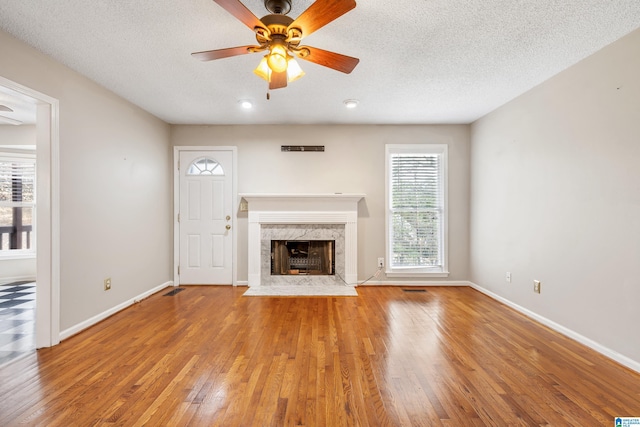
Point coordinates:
[[228, 227], [228, 217]]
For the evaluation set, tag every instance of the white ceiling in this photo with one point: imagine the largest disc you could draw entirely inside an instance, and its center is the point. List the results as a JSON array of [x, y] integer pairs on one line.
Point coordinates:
[[23, 108], [436, 61]]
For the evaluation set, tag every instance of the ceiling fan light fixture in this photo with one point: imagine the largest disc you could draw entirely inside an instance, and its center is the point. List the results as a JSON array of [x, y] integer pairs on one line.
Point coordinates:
[[262, 70], [294, 72], [277, 58]]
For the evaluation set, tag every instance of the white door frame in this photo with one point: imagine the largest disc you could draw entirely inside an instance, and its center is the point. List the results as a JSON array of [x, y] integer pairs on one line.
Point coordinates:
[[47, 214], [176, 205]]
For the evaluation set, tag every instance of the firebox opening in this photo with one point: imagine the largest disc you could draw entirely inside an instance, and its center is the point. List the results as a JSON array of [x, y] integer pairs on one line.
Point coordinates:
[[311, 257]]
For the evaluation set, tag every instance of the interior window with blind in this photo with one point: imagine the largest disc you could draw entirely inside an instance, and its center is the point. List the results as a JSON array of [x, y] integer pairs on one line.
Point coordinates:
[[17, 204], [416, 217]]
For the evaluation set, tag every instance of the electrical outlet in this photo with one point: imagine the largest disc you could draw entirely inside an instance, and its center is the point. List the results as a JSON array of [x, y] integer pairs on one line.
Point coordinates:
[[508, 277], [107, 283], [380, 262], [536, 286]]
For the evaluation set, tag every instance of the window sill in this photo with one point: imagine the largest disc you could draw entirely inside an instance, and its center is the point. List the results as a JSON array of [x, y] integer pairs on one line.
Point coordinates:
[[416, 273], [21, 255]]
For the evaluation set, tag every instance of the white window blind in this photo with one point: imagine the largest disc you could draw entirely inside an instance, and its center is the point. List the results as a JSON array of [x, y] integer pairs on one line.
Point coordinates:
[[17, 202], [416, 214]]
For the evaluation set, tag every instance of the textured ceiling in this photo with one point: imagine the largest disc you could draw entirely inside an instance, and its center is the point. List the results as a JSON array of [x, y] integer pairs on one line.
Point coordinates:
[[438, 61]]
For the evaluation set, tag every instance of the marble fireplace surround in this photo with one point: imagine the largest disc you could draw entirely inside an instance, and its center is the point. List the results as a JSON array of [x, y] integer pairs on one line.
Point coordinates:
[[316, 216]]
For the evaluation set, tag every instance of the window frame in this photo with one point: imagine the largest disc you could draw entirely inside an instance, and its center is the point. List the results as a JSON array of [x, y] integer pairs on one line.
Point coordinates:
[[416, 271], [28, 157], [218, 169]]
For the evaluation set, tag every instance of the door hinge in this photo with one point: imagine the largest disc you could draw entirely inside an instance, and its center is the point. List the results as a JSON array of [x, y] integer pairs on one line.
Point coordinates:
[[178, 217], [178, 270]]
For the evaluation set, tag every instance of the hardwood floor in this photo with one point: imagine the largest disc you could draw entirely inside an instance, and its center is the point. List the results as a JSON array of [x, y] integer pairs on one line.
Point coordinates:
[[209, 356]]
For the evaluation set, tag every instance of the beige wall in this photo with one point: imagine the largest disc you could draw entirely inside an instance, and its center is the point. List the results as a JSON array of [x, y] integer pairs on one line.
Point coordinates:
[[17, 269], [17, 135], [353, 162], [555, 196], [115, 181]]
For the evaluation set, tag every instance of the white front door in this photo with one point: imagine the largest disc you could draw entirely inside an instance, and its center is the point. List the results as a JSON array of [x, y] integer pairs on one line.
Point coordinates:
[[205, 217]]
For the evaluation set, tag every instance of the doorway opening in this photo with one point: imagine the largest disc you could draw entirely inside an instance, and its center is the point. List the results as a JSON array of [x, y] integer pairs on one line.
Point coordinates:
[[40, 112]]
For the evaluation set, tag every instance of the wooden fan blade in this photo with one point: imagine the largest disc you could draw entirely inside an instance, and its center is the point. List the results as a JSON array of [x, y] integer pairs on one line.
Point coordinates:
[[278, 80], [342, 63], [320, 13], [210, 55], [241, 12]]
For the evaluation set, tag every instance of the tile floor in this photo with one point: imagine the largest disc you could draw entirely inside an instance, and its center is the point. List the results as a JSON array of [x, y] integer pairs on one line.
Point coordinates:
[[17, 320]]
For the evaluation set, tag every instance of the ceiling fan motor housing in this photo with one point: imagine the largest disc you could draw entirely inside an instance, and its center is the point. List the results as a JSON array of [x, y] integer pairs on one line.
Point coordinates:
[[277, 27], [278, 7]]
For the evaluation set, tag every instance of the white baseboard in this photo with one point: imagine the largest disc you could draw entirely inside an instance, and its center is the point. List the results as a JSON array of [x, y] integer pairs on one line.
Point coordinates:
[[414, 283], [611, 354], [5, 280], [100, 317], [242, 283]]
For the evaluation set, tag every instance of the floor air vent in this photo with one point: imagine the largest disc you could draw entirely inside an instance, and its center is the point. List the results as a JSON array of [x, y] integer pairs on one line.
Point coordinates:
[[173, 292], [414, 290]]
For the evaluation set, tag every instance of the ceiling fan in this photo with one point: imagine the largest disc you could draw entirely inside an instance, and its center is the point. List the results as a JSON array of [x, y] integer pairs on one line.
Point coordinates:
[[281, 35]]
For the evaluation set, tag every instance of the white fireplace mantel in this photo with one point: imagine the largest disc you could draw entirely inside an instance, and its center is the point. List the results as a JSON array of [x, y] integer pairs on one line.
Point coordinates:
[[324, 208], [293, 202]]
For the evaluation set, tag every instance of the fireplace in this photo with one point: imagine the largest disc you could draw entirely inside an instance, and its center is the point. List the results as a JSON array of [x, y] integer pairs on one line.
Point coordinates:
[[312, 257], [305, 269], [302, 217]]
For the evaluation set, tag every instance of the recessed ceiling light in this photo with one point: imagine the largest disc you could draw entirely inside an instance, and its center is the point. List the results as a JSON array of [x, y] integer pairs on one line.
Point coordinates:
[[246, 104], [351, 103]]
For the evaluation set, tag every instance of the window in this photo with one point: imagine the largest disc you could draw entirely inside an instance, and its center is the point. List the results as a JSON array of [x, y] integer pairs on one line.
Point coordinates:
[[205, 166], [17, 204], [416, 216]]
